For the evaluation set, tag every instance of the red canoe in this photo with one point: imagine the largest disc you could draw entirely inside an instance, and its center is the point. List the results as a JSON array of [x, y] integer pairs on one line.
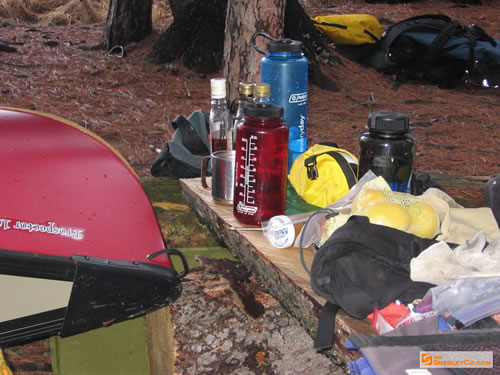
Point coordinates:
[[67, 199]]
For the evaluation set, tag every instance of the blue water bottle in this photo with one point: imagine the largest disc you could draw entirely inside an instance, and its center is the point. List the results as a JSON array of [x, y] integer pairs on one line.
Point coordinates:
[[284, 67]]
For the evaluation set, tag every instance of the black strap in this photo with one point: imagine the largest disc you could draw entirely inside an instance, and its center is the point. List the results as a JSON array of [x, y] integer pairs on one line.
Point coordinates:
[[330, 24], [171, 252], [344, 27], [329, 143], [436, 47], [371, 35], [428, 20], [482, 35], [312, 170], [326, 327]]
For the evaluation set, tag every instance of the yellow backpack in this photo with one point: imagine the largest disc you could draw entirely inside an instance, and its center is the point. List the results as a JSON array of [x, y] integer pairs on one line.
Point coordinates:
[[350, 28], [323, 174]]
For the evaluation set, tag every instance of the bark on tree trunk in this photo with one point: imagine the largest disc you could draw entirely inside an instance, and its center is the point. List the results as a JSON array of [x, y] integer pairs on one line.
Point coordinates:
[[206, 38], [243, 17], [127, 21], [179, 6], [196, 37]]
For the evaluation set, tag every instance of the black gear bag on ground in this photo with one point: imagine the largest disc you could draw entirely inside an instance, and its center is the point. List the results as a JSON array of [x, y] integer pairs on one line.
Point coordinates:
[[437, 49], [362, 266]]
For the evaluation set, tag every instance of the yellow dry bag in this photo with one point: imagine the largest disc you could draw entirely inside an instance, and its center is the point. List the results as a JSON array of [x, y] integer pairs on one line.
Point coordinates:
[[350, 28], [323, 174]]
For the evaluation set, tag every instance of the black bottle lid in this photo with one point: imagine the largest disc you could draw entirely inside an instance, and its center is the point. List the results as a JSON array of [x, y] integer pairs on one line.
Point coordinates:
[[262, 110], [388, 123], [284, 45]]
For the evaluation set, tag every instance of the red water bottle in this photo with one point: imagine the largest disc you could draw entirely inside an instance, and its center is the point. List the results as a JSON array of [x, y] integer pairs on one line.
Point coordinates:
[[261, 164]]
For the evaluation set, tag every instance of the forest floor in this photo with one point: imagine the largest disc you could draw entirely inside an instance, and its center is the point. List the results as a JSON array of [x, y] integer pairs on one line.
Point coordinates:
[[131, 103]]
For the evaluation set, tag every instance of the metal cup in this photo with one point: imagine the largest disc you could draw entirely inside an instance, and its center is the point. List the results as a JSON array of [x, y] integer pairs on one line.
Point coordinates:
[[222, 175]]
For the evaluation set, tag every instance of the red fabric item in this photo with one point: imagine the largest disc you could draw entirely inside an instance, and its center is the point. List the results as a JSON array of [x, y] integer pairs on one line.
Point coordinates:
[[386, 319]]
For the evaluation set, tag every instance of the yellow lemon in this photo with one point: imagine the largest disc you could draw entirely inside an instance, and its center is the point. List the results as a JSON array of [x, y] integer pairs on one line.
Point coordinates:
[[424, 220], [389, 214], [367, 197], [331, 225]]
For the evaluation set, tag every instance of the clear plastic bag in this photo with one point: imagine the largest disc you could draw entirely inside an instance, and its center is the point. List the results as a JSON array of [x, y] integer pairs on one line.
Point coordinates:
[[467, 300], [372, 197], [395, 209]]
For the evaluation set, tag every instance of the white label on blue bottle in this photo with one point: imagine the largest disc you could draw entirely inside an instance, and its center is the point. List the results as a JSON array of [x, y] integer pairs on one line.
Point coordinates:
[[302, 127], [298, 98]]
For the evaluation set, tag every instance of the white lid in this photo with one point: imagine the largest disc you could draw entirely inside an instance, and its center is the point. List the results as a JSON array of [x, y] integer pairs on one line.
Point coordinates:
[[218, 88], [280, 231]]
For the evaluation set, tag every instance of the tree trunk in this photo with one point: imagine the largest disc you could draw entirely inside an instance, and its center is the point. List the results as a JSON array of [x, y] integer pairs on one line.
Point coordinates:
[[196, 37], [179, 6], [244, 17], [127, 21], [206, 38]]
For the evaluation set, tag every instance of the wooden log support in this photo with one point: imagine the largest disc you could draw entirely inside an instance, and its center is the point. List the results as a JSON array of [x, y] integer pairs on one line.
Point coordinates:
[[279, 270], [160, 342]]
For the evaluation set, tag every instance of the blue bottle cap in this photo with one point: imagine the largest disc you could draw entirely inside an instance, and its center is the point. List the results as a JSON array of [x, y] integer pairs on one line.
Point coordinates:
[[285, 45]]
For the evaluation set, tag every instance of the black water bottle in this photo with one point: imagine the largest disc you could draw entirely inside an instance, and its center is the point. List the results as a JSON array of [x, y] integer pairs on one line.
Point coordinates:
[[387, 150]]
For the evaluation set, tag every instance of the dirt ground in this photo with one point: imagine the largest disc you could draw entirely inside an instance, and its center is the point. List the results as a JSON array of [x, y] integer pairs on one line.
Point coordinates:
[[131, 103]]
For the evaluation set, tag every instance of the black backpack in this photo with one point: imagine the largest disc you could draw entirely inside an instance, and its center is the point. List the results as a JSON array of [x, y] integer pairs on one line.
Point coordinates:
[[436, 49], [182, 156], [362, 266]]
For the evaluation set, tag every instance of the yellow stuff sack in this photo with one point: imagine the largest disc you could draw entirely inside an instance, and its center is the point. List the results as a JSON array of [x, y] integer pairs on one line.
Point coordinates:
[[323, 174], [350, 28]]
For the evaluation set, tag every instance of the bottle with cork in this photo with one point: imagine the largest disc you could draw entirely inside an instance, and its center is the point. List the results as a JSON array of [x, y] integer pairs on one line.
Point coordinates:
[[245, 91]]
